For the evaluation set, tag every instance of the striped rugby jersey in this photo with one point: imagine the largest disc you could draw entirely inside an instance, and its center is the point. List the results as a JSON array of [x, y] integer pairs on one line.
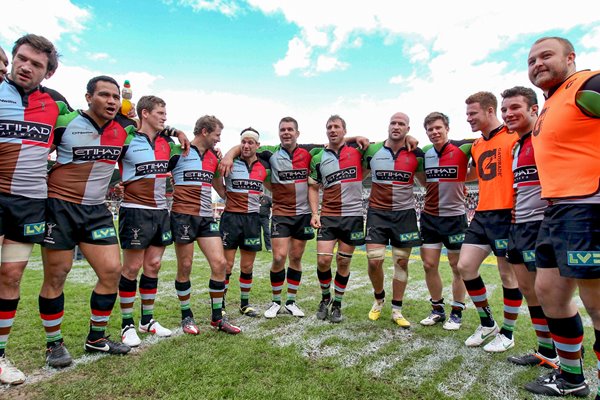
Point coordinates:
[[392, 176], [445, 175], [87, 154], [244, 185], [340, 174], [26, 133], [529, 205], [144, 170], [288, 174], [193, 175]]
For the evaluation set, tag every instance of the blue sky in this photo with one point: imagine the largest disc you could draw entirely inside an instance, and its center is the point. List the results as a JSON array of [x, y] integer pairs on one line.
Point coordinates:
[[251, 62]]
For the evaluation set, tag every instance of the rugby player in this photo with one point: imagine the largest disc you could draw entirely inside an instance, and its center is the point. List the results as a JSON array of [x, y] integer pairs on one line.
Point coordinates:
[[28, 113], [443, 219], [289, 166], [195, 174], [240, 222], [3, 64], [144, 226], [391, 216], [488, 231], [337, 169], [89, 143], [565, 139], [519, 111]]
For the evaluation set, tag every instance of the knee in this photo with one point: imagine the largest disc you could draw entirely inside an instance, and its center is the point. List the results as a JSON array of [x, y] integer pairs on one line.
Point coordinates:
[[374, 266], [429, 267], [110, 274], [184, 264], [153, 265], [508, 277], [11, 277], [324, 262], [343, 260], [279, 261]]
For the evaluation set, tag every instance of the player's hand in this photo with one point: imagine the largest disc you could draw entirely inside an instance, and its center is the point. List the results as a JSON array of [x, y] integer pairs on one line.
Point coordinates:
[[119, 189], [362, 142], [184, 141], [315, 221], [411, 143], [131, 114], [225, 166]]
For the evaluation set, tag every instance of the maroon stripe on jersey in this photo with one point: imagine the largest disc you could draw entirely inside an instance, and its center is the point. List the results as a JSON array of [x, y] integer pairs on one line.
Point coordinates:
[[284, 199], [238, 202], [68, 181], [381, 196], [432, 198], [333, 206], [140, 191], [10, 156], [186, 199]]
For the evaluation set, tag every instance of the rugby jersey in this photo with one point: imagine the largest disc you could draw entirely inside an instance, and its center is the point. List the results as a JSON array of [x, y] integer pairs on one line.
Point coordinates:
[[340, 174], [27, 123], [567, 145], [193, 176], [86, 158], [393, 176], [493, 157], [528, 203], [445, 175], [244, 185], [288, 174], [144, 168]]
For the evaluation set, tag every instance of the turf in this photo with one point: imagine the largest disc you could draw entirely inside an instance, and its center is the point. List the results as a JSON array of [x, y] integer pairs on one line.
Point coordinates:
[[283, 358]]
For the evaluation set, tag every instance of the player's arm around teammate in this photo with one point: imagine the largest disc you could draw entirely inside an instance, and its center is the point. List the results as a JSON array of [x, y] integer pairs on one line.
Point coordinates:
[[488, 231], [391, 216], [565, 139], [240, 224], [144, 226], [443, 219], [89, 144], [338, 168], [25, 140], [192, 220]]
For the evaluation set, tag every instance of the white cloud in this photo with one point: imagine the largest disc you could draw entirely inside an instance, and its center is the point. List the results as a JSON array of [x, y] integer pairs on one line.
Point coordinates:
[[226, 7], [51, 19], [418, 53], [400, 79], [98, 56], [328, 64], [297, 57]]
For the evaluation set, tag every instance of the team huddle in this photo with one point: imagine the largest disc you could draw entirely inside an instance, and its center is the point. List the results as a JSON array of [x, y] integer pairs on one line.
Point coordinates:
[[538, 210]]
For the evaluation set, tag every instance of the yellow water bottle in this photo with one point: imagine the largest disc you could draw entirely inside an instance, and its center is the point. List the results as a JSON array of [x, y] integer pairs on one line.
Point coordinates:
[[126, 95]]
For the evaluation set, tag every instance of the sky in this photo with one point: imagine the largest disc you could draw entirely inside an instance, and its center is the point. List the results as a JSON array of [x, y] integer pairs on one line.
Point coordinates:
[[252, 62]]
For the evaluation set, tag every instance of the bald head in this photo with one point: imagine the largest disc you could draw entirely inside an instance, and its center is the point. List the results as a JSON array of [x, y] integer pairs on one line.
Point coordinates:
[[398, 128], [402, 116]]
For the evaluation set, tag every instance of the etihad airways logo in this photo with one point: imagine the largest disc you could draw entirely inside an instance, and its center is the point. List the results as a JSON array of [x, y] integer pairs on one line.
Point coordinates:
[[95, 153], [246, 184], [151, 167], [293, 175], [445, 172], [34, 131], [526, 174], [391, 175], [341, 175], [198, 176]]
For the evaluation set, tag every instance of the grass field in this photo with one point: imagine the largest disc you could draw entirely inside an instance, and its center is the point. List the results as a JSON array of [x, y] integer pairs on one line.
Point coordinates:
[[284, 358]]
